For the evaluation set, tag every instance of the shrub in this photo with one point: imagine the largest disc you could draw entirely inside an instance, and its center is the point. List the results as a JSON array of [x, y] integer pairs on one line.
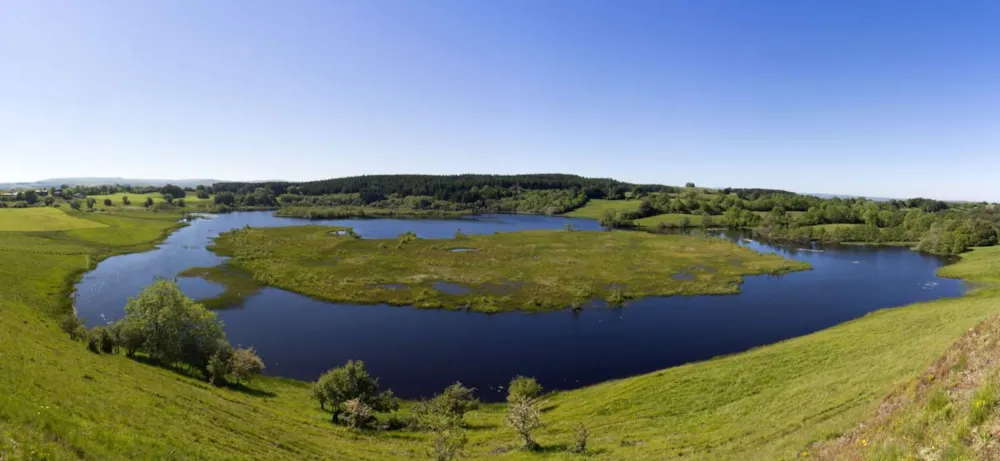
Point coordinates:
[[202, 194], [357, 414], [49, 200], [102, 336], [180, 202], [351, 382], [455, 402], [80, 334], [580, 444], [245, 364], [524, 418], [522, 388], [21, 204], [75, 204], [69, 324], [447, 445], [149, 202], [107, 202], [218, 368], [93, 344], [125, 201]]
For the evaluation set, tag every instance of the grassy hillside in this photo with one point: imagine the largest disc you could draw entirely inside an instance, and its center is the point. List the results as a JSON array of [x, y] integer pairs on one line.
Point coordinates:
[[530, 270], [40, 219], [137, 200], [58, 401], [594, 209]]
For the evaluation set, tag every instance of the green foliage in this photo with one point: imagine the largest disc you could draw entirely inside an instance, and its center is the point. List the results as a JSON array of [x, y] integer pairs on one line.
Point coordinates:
[[600, 263], [173, 191], [580, 439], [455, 402], [356, 414], [70, 323], [244, 364], [108, 202], [172, 327], [524, 418], [352, 382], [149, 202], [218, 365], [522, 387]]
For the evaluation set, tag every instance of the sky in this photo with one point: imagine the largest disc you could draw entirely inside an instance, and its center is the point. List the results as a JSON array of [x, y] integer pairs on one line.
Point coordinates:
[[873, 97]]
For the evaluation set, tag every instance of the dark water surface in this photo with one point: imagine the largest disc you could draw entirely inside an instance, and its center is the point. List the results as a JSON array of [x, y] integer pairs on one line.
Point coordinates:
[[418, 352]]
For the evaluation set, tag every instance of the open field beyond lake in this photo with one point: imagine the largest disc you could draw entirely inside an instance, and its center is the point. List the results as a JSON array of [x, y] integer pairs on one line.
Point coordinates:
[[530, 270], [41, 219], [594, 209]]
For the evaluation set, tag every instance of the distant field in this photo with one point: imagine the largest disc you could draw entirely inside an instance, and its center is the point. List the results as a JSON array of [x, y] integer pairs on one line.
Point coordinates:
[[830, 227], [138, 199], [42, 219], [675, 219], [595, 208]]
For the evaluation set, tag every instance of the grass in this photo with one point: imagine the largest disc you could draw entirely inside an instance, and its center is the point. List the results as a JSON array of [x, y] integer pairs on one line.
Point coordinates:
[[595, 208], [677, 220], [533, 270], [41, 219], [137, 200], [58, 401], [833, 227]]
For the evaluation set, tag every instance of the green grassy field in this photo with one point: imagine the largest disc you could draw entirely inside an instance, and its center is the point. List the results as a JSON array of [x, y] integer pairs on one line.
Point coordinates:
[[832, 227], [594, 209], [531, 270], [41, 219], [137, 200], [677, 219], [58, 401]]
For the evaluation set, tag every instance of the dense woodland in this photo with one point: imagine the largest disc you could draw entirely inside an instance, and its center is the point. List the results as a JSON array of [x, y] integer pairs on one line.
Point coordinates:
[[932, 225]]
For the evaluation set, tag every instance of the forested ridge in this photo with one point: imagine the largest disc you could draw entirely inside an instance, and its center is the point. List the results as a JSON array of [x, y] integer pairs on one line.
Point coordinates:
[[930, 225]]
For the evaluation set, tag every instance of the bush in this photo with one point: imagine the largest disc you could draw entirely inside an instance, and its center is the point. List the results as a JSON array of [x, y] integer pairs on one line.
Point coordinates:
[[351, 382], [202, 194], [580, 444], [456, 401], [107, 202], [218, 368], [522, 388], [21, 204], [49, 200], [69, 324], [149, 202], [357, 414], [245, 364], [93, 343], [103, 337], [523, 416], [180, 202], [75, 204]]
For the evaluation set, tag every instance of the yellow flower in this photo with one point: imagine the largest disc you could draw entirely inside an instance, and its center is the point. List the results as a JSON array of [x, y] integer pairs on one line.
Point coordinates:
[[864, 443]]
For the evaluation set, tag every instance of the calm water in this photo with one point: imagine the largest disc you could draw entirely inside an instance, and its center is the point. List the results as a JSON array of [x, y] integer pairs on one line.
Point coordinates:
[[418, 352]]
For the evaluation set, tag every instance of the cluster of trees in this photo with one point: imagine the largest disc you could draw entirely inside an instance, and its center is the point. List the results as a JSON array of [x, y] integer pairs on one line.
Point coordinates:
[[355, 399], [163, 325]]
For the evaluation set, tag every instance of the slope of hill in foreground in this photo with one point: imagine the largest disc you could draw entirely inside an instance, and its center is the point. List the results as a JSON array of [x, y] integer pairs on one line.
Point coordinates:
[[58, 401]]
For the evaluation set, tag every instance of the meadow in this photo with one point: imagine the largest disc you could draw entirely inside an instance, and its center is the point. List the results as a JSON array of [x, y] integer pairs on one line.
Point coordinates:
[[529, 270], [59, 401], [41, 219], [137, 200], [594, 209]]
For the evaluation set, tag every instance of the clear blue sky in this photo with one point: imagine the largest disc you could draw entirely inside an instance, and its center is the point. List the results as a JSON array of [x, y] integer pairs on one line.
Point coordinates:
[[884, 98]]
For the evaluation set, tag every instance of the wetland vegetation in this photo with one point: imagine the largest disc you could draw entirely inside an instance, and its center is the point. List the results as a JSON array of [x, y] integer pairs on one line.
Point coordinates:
[[528, 270]]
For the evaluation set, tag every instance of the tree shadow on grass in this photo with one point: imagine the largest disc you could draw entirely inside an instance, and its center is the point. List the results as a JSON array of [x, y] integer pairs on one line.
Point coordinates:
[[244, 389], [196, 375]]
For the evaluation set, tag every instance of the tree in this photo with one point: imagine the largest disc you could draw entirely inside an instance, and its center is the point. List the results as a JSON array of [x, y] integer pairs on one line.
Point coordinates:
[[125, 200], [447, 444], [201, 194], [225, 198], [69, 324], [169, 198], [107, 202], [523, 416], [245, 364], [455, 402], [349, 382], [608, 219], [582, 434], [690, 184], [522, 387], [172, 326], [49, 200], [173, 191], [180, 202], [75, 204], [218, 365], [149, 202], [91, 202], [31, 197]]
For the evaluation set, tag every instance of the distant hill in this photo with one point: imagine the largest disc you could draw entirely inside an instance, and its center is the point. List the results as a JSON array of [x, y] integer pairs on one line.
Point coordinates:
[[828, 196], [56, 182]]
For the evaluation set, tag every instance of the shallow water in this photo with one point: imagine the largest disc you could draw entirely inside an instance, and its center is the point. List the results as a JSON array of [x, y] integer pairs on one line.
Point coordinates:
[[418, 352]]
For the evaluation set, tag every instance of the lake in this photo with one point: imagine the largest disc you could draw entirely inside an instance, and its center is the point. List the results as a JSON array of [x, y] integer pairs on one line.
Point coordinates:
[[418, 352]]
